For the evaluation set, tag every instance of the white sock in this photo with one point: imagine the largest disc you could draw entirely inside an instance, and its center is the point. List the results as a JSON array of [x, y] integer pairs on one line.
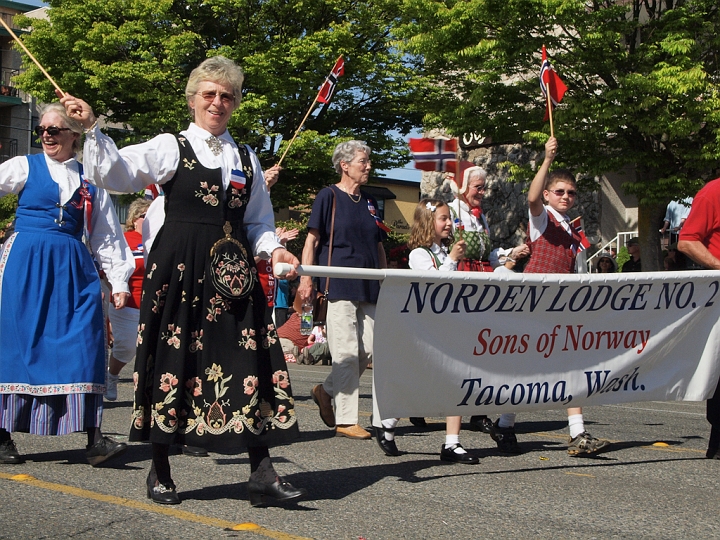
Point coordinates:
[[390, 423], [506, 420], [576, 425], [451, 440]]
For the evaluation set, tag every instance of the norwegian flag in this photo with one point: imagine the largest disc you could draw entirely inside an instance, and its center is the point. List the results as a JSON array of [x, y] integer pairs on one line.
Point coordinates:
[[153, 191], [550, 81], [577, 224], [434, 154], [328, 87]]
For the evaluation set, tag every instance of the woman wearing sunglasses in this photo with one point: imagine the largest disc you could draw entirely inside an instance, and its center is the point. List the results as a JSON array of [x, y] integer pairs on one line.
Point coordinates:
[[52, 366], [209, 370]]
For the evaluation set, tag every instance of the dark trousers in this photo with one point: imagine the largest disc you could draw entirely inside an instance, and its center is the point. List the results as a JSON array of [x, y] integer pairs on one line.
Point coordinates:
[[713, 416]]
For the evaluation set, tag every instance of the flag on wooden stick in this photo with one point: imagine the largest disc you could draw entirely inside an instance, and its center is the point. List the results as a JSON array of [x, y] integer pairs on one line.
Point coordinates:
[[550, 84]]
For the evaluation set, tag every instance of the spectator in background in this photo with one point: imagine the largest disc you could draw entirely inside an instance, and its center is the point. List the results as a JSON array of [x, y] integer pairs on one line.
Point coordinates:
[[606, 264], [675, 216], [282, 301], [124, 322], [633, 247]]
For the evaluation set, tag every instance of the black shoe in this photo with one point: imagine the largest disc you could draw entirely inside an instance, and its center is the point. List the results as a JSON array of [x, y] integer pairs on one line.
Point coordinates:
[[194, 451], [481, 423], [418, 421], [103, 450], [9, 454], [505, 439], [389, 447], [449, 454], [280, 490], [712, 453], [161, 493]]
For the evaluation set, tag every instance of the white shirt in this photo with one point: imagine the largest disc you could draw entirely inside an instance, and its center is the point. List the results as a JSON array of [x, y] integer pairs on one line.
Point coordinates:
[[420, 259], [107, 241], [538, 224], [132, 168]]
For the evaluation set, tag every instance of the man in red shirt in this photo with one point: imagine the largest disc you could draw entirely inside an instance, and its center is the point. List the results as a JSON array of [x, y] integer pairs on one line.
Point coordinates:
[[700, 240]]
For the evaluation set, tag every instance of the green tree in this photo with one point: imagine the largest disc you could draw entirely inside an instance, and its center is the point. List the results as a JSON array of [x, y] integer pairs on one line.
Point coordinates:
[[130, 60], [643, 80]]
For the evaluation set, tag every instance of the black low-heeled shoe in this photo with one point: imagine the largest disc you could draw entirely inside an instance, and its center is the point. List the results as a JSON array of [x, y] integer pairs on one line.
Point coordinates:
[[388, 447], [280, 490], [161, 493]]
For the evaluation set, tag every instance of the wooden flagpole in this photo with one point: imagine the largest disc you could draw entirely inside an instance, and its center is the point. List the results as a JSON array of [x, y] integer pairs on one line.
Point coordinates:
[[550, 109], [24, 48], [458, 182], [298, 130]]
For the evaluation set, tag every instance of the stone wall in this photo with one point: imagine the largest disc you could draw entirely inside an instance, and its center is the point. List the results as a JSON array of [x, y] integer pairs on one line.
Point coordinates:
[[505, 204]]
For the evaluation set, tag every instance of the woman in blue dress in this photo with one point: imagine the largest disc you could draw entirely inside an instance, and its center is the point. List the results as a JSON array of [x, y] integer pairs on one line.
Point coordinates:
[[52, 340], [209, 369]]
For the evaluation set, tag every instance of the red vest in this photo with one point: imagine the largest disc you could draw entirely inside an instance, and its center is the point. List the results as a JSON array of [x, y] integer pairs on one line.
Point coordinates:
[[554, 252]]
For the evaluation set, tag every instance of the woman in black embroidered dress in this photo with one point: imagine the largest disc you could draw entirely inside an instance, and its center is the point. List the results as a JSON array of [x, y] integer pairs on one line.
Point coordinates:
[[209, 370]]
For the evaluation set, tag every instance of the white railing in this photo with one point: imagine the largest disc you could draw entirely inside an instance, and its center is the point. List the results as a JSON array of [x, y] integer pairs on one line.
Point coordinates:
[[615, 244]]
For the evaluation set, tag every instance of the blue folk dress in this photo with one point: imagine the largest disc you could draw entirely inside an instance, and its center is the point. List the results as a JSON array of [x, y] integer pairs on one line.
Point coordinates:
[[52, 355]]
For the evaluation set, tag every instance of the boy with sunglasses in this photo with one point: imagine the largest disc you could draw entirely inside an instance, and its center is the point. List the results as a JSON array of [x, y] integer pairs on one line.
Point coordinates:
[[553, 247]]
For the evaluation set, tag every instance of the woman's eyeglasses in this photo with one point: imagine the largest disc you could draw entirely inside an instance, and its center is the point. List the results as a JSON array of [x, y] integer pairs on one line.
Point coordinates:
[[561, 192], [140, 216], [210, 95], [52, 130]]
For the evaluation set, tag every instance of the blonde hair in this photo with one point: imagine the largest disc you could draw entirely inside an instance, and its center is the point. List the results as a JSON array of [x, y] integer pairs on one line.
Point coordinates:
[[422, 233], [136, 209], [217, 69]]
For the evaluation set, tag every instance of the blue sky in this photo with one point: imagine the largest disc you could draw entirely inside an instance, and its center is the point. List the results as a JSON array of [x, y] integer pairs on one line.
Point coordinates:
[[37, 3]]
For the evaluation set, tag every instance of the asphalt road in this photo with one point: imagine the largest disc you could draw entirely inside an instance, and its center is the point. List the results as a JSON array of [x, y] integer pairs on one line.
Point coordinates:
[[655, 483]]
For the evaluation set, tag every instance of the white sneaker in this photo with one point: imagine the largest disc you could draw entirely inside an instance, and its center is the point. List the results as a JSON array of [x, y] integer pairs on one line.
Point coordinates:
[[111, 389]]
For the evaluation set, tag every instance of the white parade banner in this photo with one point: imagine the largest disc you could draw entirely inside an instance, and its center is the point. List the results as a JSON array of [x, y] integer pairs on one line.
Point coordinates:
[[461, 343]]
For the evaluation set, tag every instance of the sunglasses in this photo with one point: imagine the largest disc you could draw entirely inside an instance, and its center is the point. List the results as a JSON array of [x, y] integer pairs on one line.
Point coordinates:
[[140, 216], [210, 95], [52, 130], [561, 192]]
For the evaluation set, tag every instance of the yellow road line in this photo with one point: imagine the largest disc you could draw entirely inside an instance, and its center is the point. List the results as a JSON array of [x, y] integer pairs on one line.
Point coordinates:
[[154, 508], [580, 474]]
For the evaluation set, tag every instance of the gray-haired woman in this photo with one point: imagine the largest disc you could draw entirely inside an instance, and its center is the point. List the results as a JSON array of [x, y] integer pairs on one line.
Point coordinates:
[[357, 242], [209, 368]]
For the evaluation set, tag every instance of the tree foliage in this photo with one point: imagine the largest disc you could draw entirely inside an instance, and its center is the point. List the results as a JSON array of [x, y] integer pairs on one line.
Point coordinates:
[[643, 78], [130, 59]]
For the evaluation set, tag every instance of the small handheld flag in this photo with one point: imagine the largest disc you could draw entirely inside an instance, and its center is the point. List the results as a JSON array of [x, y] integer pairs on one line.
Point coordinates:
[[323, 96], [552, 87], [328, 87], [577, 224]]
